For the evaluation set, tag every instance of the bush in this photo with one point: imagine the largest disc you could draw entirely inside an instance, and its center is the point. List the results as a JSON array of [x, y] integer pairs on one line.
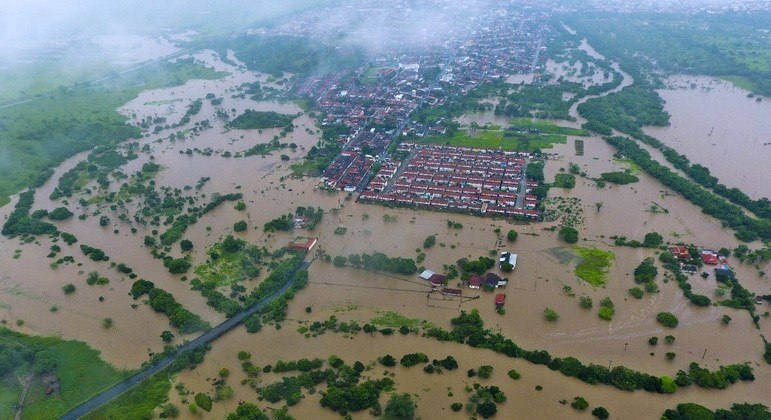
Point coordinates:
[[456, 407], [671, 355], [339, 261], [667, 319], [645, 272], [551, 315], [636, 292], [400, 407], [68, 288], [512, 235], [513, 374], [601, 413], [412, 359], [485, 371], [388, 361], [568, 234], [585, 302], [652, 240], [60, 213], [186, 245], [429, 241], [203, 401], [579, 403], [669, 339], [239, 226], [653, 341], [726, 319]]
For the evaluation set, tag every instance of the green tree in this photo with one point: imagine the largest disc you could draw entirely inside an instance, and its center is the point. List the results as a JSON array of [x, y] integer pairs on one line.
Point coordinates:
[[167, 336], [485, 371], [551, 315], [667, 319], [186, 245], [339, 261], [239, 226], [487, 409], [568, 234], [652, 240], [601, 413], [512, 235], [399, 407], [579, 403]]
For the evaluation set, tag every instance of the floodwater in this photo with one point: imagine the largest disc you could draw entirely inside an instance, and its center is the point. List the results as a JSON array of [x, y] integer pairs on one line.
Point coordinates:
[[29, 288], [714, 123]]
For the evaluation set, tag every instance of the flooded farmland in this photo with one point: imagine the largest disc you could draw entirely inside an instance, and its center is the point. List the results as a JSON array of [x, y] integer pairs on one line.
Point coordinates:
[[720, 126], [544, 277]]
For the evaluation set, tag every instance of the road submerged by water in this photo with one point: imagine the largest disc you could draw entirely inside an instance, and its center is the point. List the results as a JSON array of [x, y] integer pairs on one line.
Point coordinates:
[[209, 336]]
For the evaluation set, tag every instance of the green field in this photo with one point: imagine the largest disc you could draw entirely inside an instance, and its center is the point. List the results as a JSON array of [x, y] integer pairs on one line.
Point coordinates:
[[81, 372], [38, 135], [593, 265], [139, 402], [524, 135]]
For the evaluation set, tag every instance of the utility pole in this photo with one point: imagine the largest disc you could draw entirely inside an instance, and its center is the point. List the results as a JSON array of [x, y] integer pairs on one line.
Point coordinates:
[[705, 353]]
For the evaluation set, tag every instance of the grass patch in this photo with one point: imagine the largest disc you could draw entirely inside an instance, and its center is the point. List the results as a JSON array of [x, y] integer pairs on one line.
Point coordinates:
[[40, 134], [594, 264], [489, 139], [224, 267], [82, 373], [548, 128], [10, 390], [392, 319], [139, 402]]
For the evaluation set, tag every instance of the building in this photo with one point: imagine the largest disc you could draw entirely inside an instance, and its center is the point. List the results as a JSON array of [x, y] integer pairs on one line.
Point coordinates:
[[710, 257], [680, 252], [500, 300], [437, 280], [451, 292], [508, 257], [303, 244], [426, 275], [475, 282]]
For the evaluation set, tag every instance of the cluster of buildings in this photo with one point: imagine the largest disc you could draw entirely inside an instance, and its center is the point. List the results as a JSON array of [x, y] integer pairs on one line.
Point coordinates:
[[707, 257], [378, 101], [476, 181]]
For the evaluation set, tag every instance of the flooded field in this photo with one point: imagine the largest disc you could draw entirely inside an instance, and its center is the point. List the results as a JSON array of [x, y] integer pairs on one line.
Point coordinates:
[[717, 125], [544, 277]]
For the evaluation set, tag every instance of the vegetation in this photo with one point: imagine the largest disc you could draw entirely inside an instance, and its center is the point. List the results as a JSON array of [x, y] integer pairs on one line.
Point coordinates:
[[568, 234], [250, 120], [469, 328], [747, 228], [607, 309], [593, 265], [621, 178], [667, 319], [381, 262], [551, 315], [692, 411], [512, 235], [230, 261], [399, 407], [564, 181], [79, 369], [163, 301], [139, 402], [645, 272]]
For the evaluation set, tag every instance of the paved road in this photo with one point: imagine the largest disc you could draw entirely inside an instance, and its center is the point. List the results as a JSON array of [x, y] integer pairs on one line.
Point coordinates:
[[118, 389]]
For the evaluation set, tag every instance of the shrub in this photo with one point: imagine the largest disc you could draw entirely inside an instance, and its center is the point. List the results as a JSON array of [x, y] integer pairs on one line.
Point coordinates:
[[186, 245], [339, 261], [551, 315], [412, 359], [239, 226], [601, 413], [726, 319], [636, 292], [667, 319], [653, 341], [203, 401], [60, 213], [512, 235], [456, 406], [585, 302], [669, 339], [569, 234], [671, 355], [429, 241], [513, 374], [645, 272], [579, 403], [68, 288], [485, 371], [388, 361]]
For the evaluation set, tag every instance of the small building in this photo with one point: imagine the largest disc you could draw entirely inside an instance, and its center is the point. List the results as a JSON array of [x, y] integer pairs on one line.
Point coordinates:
[[723, 274], [680, 252], [426, 275], [452, 292], [710, 258], [475, 282], [500, 300], [303, 244], [508, 257], [437, 280], [689, 268]]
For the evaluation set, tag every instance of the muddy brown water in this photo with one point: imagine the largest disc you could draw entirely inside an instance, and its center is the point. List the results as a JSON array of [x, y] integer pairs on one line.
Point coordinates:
[[714, 123], [29, 288]]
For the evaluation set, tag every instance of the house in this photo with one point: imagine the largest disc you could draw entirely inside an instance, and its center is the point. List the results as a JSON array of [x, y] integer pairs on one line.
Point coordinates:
[[437, 280], [494, 281], [451, 292], [475, 282], [425, 275], [303, 244], [680, 252], [500, 300], [688, 268], [508, 257], [723, 274], [710, 258]]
